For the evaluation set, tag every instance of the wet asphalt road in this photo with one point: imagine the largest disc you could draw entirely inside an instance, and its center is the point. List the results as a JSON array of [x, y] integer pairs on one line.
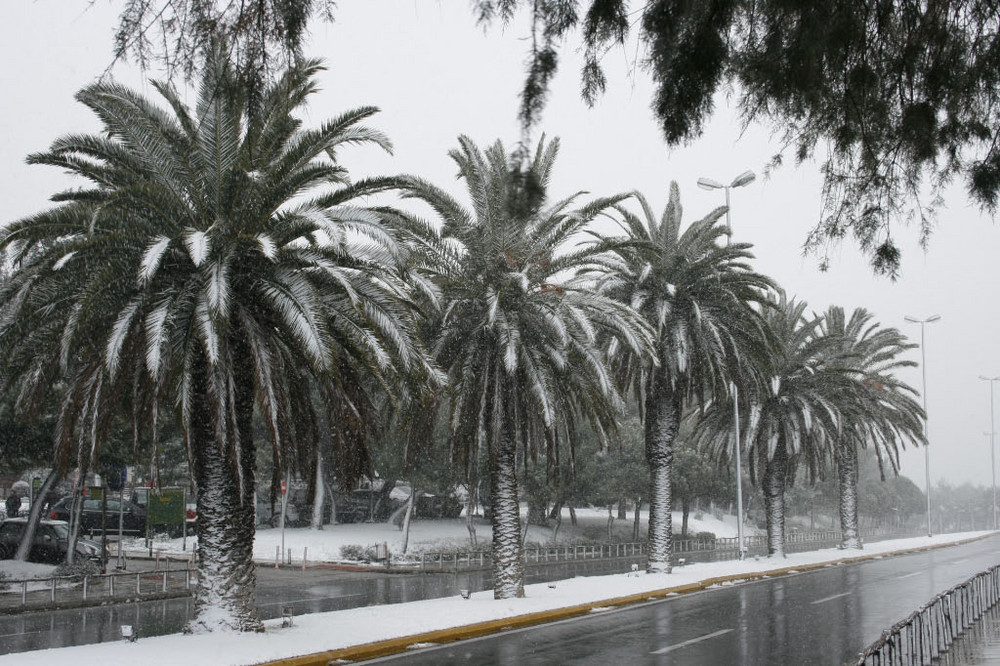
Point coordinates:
[[821, 617]]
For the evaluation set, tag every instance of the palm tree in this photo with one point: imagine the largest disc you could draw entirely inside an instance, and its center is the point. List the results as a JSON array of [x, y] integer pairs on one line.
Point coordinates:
[[702, 300], [880, 411], [516, 331], [796, 417], [214, 264]]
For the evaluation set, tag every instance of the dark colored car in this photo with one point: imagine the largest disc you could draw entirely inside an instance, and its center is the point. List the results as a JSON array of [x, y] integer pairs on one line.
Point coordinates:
[[133, 520], [51, 541]]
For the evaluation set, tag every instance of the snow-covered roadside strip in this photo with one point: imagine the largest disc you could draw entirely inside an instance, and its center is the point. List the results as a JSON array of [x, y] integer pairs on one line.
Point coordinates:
[[319, 637]]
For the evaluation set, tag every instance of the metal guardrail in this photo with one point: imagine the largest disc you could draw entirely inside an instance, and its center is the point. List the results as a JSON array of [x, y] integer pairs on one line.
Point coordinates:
[[98, 588], [683, 549], [928, 632]]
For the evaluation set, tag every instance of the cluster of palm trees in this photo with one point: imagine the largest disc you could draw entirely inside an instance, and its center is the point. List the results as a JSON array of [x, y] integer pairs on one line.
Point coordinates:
[[222, 270]]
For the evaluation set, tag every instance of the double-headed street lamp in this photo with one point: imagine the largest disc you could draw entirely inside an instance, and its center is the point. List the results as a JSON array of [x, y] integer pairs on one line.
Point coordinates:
[[923, 395], [993, 450], [744, 178]]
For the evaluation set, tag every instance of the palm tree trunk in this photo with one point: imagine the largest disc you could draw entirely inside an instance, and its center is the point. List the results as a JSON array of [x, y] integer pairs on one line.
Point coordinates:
[[635, 523], [663, 412], [508, 563], [847, 473], [35, 514], [775, 476], [224, 597]]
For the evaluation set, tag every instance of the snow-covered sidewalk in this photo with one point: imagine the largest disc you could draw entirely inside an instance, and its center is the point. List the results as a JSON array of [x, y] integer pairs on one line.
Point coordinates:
[[341, 629]]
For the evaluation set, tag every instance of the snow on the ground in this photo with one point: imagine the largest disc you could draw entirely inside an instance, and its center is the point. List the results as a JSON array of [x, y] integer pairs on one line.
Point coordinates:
[[21, 570], [425, 536], [339, 629], [431, 535]]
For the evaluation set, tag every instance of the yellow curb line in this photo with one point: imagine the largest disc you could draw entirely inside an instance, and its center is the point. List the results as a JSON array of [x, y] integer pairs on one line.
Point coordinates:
[[395, 645]]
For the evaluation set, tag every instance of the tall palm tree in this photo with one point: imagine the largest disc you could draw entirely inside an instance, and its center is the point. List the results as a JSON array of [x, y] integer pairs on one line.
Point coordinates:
[[880, 411], [796, 417], [517, 330], [702, 300], [214, 261]]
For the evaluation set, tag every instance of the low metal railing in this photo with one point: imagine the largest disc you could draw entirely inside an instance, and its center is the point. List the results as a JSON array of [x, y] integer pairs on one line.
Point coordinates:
[[97, 588], [928, 632], [683, 549]]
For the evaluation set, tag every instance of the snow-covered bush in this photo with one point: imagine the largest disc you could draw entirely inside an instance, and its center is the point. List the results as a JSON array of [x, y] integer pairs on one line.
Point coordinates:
[[356, 552], [77, 570]]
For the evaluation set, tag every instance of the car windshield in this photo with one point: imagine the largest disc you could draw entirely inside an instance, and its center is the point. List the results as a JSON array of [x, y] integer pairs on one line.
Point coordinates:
[[62, 531]]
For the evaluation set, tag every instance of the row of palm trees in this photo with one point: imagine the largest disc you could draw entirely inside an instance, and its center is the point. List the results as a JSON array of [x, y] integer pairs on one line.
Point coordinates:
[[220, 268]]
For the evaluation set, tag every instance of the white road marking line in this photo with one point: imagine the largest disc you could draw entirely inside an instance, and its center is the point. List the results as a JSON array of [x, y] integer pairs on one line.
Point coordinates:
[[691, 642], [909, 575], [825, 599]]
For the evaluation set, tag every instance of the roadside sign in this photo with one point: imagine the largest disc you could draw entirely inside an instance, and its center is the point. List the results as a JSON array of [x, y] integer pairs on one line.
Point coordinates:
[[166, 507], [284, 488], [94, 492]]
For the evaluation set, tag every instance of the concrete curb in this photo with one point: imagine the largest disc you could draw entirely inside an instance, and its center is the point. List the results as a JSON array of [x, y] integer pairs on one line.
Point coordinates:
[[396, 645]]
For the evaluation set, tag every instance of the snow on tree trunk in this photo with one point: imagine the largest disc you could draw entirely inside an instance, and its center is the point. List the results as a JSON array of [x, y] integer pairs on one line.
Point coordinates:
[[470, 508], [847, 473], [508, 561], [74, 521], [319, 496], [35, 515], [663, 410], [224, 596], [407, 516], [775, 473]]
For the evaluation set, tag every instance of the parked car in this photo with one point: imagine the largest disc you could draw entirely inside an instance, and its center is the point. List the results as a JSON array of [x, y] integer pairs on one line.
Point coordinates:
[[267, 516], [51, 541], [133, 520]]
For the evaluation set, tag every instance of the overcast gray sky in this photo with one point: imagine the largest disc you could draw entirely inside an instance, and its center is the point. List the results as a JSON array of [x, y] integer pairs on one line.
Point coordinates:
[[435, 76]]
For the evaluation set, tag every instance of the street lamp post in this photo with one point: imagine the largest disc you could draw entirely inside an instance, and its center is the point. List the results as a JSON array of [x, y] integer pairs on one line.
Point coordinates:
[[993, 450], [923, 395], [744, 178]]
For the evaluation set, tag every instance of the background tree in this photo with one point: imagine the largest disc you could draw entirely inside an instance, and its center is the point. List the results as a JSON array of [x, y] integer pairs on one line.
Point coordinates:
[[696, 476], [698, 295], [880, 411], [518, 330]]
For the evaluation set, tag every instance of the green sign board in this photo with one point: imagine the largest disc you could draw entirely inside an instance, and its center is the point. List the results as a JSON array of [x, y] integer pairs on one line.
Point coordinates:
[[166, 507], [95, 492]]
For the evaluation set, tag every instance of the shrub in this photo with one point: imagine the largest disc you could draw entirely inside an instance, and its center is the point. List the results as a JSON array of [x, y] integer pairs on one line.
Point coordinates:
[[77, 570], [358, 553]]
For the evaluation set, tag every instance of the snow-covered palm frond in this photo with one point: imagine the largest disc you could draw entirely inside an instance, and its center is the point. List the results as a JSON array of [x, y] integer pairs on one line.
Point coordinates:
[[156, 330], [198, 245], [119, 332], [152, 257], [217, 289], [63, 261], [207, 330], [267, 246]]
